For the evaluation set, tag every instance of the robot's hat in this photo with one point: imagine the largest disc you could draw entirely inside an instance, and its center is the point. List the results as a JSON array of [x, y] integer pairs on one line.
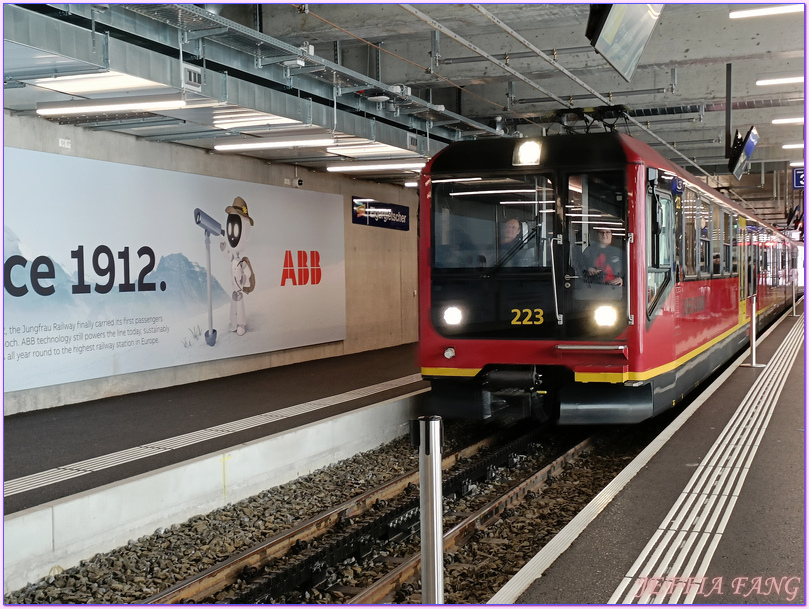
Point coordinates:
[[239, 207]]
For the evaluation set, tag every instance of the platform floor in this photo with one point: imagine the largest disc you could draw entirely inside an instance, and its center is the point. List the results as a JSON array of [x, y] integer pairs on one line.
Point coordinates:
[[50, 448], [722, 502]]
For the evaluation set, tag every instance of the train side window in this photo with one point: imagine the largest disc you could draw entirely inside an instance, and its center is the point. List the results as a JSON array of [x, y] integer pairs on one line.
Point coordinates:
[[728, 241], [742, 252], [704, 228], [753, 261], [717, 240], [690, 211]]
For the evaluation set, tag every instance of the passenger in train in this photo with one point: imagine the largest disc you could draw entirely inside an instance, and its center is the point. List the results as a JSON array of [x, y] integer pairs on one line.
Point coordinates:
[[512, 235], [603, 262]]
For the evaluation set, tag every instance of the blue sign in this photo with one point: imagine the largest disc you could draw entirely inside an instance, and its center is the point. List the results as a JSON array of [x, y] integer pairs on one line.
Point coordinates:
[[384, 215], [797, 178]]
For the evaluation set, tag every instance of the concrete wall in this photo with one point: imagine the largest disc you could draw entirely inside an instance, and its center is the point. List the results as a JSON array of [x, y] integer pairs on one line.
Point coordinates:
[[381, 271], [59, 534]]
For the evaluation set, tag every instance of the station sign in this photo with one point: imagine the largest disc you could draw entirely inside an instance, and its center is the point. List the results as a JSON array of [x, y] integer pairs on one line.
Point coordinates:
[[383, 215]]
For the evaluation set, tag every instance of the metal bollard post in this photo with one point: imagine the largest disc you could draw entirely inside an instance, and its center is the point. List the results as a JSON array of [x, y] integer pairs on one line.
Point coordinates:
[[431, 502], [753, 363], [794, 288]]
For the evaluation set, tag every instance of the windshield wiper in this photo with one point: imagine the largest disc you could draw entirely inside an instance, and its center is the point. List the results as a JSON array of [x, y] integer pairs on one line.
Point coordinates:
[[510, 254]]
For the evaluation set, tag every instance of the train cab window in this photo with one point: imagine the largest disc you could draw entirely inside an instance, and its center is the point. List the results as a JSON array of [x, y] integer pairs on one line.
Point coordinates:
[[595, 213], [493, 224]]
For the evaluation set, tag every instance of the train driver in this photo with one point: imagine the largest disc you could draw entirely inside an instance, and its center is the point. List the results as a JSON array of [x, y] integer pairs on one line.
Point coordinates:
[[603, 262], [512, 249]]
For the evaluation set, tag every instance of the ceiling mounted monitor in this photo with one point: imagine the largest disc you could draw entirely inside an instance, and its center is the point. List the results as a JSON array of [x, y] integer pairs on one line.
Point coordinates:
[[620, 32], [741, 151]]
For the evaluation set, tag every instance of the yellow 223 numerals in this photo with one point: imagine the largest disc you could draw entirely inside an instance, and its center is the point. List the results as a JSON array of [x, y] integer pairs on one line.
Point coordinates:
[[527, 317]]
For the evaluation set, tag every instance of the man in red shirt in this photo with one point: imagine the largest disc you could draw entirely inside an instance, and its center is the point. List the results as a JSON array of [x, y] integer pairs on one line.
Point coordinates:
[[603, 261]]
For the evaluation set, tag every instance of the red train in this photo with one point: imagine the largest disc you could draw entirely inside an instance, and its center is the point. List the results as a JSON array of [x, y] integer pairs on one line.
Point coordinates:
[[583, 278]]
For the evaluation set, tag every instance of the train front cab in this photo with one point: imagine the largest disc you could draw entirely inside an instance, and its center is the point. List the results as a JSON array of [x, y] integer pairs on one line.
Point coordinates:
[[507, 320], [525, 330]]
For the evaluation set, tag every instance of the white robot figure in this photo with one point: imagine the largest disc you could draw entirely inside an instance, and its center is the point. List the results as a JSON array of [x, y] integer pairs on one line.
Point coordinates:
[[237, 233]]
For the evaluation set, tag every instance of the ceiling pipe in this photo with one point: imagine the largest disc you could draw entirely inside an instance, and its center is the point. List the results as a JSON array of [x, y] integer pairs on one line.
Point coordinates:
[[459, 39], [540, 100], [264, 39], [509, 56]]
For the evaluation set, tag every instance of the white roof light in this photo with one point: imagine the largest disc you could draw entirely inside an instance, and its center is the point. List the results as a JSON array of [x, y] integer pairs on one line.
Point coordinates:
[[268, 144], [375, 167], [784, 80], [763, 12], [120, 104]]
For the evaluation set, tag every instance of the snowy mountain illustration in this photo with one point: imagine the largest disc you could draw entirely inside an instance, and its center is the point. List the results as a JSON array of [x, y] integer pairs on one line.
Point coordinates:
[[20, 276], [186, 285]]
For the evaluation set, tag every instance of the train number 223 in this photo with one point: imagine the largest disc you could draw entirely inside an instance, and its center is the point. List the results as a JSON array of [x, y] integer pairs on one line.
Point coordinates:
[[524, 317]]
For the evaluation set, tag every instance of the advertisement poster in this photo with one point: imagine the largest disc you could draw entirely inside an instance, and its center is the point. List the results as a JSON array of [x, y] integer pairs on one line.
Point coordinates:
[[107, 269]]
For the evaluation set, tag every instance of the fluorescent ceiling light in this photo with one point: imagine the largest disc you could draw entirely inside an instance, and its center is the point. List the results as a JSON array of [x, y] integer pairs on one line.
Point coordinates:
[[796, 164], [783, 80], [526, 202], [267, 144], [797, 120], [493, 192], [770, 10], [380, 167], [120, 104], [81, 84], [411, 184], [792, 146], [234, 123], [370, 149], [447, 180]]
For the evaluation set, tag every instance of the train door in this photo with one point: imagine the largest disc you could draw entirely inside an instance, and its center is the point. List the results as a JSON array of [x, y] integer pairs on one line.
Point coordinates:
[[592, 277], [660, 239], [752, 265], [677, 190]]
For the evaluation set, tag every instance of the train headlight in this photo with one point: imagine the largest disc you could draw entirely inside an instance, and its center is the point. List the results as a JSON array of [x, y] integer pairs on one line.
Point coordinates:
[[606, 316], [449, 352], [452, 316], [527, 153]]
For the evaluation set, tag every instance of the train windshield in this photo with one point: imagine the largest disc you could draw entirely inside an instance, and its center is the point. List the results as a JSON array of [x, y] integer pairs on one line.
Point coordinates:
[[493, 224], [528, 255]]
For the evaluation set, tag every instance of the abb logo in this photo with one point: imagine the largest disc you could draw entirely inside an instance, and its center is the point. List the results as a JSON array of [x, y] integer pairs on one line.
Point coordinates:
[[308, 270]]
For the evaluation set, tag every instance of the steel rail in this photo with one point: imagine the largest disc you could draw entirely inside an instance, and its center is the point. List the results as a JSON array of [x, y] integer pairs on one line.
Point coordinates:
[[219, 576], [382, 589]]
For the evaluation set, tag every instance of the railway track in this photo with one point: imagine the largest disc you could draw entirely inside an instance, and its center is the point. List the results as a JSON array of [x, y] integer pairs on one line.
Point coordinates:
[[309, 554]]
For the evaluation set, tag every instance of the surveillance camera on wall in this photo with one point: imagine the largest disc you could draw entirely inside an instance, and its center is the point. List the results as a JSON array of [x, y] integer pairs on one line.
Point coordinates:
[[297, 182]]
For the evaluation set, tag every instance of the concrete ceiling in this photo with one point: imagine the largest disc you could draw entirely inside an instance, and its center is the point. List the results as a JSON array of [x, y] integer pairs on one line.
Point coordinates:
[[449, 71]]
